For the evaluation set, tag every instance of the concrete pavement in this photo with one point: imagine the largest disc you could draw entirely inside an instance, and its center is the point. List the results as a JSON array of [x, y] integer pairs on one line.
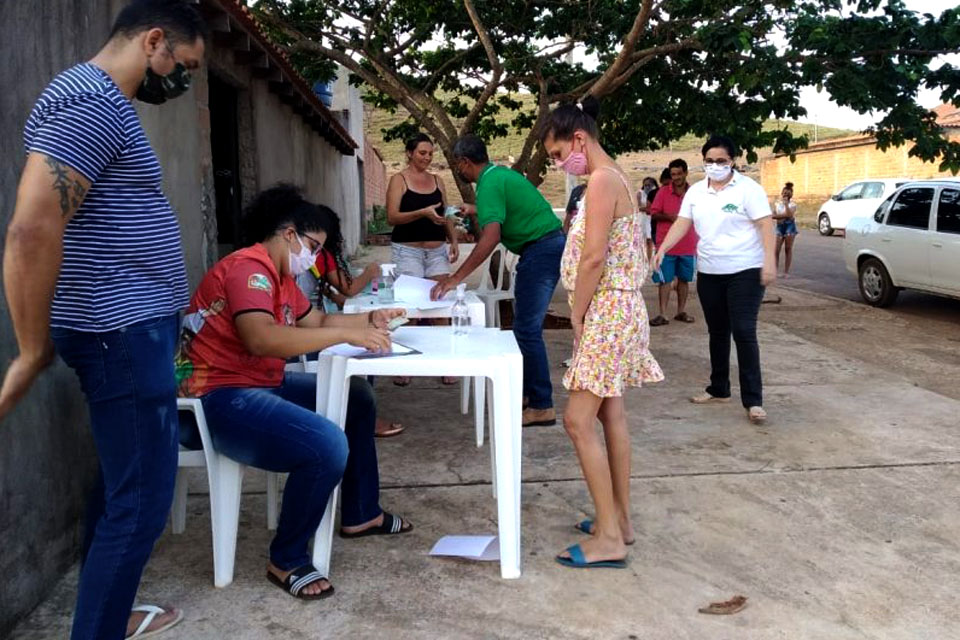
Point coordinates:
[[837, 519]]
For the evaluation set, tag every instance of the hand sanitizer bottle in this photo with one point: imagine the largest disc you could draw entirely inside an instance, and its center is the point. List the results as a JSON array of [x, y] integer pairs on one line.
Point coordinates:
[[385, 286], [460, 314]]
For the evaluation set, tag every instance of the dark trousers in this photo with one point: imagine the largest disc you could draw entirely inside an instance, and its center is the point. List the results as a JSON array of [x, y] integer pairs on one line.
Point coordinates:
[[538, 272], [127, 377], [731, 303], [278, 429]]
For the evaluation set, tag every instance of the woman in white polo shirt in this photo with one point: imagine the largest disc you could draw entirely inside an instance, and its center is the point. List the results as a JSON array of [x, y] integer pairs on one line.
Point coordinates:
[[735, 261]]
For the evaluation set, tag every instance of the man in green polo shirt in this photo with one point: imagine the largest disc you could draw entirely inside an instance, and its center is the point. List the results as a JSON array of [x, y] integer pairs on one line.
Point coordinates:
[[510, 210]]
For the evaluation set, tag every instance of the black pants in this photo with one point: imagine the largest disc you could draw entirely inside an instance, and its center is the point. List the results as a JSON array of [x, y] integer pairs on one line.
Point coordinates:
[[731, 303]]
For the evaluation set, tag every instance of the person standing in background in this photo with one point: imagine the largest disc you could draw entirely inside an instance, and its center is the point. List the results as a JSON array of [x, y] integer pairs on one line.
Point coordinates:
[[416, 199], [680, 261], [785, 215], [94, 267]]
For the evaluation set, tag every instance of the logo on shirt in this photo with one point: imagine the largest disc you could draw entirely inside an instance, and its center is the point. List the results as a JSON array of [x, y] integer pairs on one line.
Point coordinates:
[[731, 208], [259, 282]]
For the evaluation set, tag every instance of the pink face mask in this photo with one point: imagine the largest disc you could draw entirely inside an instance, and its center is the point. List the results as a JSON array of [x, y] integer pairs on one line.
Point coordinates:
[[575, 164]]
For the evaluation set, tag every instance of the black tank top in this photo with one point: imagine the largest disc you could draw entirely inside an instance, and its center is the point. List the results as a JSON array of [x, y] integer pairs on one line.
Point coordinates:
[[421, 229]]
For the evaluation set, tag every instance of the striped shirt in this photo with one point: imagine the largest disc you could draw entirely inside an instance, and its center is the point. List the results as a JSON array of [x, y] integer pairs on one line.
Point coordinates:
[[122, 256]]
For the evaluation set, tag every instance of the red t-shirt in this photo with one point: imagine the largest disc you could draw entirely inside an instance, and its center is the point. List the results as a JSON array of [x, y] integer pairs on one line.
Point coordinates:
[[211, 355], [325, 263], [668, 202]]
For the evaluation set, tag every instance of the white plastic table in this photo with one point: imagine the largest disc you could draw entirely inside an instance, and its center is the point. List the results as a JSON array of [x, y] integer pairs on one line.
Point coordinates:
[[485, 354], [368, 302], [478, 318]]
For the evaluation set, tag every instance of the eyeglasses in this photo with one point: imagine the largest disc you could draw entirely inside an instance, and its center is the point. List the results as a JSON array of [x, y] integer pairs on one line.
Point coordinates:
[[719, 162], [317, 245], [314, 246]]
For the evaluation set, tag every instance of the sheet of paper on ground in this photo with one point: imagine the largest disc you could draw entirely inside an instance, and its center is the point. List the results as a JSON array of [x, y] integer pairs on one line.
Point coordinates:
[[473, 547]]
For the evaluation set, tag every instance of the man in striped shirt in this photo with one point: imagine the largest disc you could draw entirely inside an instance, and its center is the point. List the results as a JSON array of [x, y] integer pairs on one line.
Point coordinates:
[[94, 266]]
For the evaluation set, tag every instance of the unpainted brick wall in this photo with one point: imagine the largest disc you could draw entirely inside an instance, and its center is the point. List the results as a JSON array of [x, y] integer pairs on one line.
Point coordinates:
[[374, 177], [825, 169]]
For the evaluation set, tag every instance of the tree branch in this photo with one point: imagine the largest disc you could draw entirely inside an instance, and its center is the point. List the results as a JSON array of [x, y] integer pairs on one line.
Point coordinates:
[[623, 58], [495, 66]]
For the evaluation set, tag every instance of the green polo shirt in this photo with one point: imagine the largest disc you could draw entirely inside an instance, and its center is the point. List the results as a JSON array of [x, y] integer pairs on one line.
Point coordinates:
[[505, 196]]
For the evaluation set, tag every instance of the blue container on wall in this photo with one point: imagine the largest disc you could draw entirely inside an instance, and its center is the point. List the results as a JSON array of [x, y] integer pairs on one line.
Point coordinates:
[[324, 91]]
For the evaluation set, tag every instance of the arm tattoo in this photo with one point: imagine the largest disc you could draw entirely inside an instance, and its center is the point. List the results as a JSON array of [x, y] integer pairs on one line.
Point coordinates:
[[71, 191]]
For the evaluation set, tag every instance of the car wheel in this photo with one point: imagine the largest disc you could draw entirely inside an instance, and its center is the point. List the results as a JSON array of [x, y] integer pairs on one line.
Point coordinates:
[[876, 287], [823, 225]]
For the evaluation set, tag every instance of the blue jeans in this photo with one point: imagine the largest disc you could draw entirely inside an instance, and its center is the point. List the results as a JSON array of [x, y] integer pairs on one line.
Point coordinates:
[[538, 272], [127, 377], [277, 429]]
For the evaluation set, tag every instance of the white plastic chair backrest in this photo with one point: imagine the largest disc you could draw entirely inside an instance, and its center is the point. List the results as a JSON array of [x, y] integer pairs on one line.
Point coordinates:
[[488, 282], [194, 406]]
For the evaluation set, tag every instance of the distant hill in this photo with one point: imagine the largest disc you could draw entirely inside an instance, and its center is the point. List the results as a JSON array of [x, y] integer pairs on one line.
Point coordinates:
[[637, 165]]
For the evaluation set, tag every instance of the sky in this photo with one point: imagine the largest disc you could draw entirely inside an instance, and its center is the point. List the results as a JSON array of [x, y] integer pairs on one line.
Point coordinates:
[[822, 110]]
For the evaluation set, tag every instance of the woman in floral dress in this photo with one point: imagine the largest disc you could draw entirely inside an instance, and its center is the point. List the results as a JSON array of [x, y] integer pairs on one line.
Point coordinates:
[[603, 267]]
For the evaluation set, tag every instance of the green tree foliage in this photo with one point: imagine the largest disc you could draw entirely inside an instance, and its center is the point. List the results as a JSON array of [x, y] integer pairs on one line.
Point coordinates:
[[666, 68]]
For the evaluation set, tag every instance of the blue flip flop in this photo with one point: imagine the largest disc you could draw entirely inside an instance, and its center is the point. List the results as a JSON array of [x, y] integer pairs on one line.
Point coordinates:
[[579, 561], [585, 526]]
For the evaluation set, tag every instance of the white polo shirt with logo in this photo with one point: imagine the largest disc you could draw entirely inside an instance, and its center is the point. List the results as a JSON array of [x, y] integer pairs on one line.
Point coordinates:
[[729, 240]]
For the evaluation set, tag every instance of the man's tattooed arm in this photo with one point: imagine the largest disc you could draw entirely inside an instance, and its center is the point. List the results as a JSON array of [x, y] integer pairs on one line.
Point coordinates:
[[71, 190]]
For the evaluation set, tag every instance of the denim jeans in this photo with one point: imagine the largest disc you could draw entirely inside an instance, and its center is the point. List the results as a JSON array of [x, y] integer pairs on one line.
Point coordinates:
[[538, 272], [277, 429], [731, 304], [127, 377]]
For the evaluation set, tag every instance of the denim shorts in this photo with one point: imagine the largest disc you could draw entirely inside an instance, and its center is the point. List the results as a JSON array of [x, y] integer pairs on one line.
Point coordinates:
[[787, 227], [421, 263]]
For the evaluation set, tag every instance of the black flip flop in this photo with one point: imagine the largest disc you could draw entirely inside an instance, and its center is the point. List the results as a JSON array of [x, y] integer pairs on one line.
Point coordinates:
[[392, 525], [298, 580]]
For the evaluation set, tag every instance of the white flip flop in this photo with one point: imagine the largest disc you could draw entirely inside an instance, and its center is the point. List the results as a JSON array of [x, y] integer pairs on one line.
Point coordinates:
[[152, 612]]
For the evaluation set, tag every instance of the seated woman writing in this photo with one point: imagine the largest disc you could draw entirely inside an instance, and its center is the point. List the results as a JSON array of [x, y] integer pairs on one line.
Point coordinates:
[[245, 319]]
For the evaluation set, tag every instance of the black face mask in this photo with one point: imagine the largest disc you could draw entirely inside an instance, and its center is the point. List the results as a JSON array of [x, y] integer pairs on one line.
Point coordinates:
[[157, 89]]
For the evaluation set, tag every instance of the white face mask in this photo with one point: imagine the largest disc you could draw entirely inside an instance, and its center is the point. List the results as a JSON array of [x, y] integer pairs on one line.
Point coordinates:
[[717, 172], [302, 261]]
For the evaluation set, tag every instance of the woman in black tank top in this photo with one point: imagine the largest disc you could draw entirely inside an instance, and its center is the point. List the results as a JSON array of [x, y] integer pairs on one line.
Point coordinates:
[[415, 207]]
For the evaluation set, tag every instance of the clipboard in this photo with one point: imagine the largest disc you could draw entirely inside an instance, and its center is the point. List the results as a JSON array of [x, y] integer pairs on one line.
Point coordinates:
[[360, 353], [397, 349]]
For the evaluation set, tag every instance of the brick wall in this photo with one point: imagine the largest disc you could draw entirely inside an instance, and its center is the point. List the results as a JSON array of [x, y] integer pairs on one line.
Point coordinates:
[[374, 176], [825, 168]]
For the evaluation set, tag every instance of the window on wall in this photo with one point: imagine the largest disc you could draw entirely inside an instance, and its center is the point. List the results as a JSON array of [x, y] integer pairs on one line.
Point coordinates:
[[852, 192], [911, 209], [948, 211]]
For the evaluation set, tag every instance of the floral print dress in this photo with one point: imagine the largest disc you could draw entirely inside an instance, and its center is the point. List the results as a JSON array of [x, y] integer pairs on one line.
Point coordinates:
[[613, 352]]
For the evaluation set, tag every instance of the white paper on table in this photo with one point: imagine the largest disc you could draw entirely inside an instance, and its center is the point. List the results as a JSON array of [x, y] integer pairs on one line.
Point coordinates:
[[485, 548], [350, 351], [415, 292]]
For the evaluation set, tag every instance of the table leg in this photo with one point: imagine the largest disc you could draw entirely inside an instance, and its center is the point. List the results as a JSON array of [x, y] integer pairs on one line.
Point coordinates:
[[479, 404], [336, 395], [464, 396], [506, 445]]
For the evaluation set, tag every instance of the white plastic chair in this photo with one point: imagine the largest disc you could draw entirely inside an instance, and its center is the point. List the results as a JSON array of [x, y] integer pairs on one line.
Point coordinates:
[[225, 477], [492, 289]]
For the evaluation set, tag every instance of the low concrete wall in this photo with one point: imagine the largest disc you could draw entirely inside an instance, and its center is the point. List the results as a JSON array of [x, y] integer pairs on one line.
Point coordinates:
[[827, 167]]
